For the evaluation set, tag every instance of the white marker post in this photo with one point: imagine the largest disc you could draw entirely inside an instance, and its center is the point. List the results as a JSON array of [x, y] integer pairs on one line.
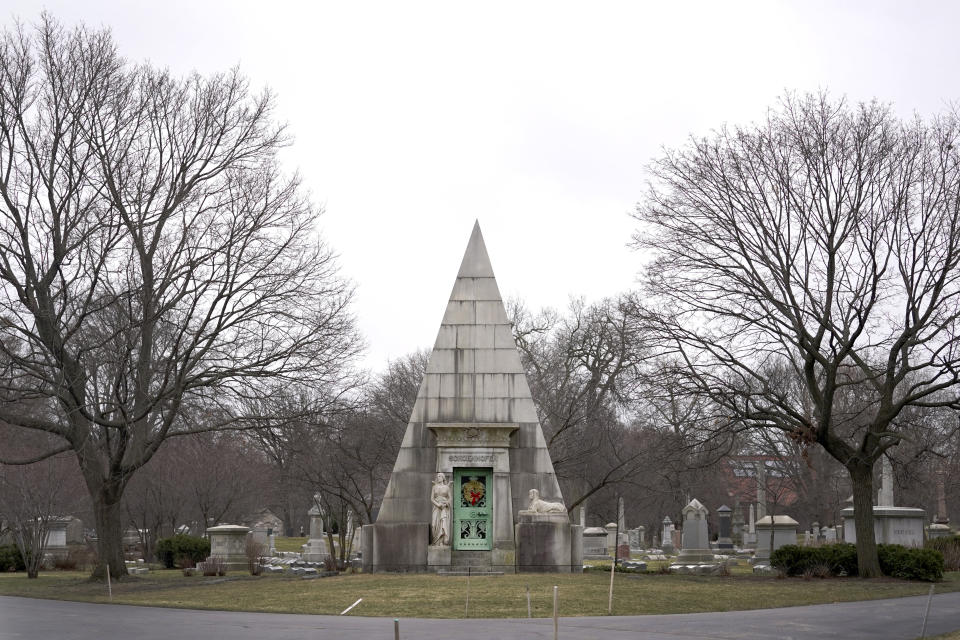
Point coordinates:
[[351, 606], [528, 602], [556, 626], [610, 600]]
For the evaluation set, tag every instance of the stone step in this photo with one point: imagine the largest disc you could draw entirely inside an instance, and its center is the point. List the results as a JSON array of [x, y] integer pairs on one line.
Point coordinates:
[[474, 559], [472, 573]]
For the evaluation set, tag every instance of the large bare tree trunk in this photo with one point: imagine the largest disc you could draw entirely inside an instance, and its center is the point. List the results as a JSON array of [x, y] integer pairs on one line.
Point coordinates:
[[109, 521], [861, 476]]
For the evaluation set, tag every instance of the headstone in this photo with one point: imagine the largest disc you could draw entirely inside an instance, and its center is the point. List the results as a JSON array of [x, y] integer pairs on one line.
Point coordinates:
[[695, 540], [783, 529], [677, 536], [738, 524], [830, 535], [316, 548], [636, 536], [891, 525], [611, 528], [667, 535], [724, 515], [229, 543], [595, 542], [475, 421]]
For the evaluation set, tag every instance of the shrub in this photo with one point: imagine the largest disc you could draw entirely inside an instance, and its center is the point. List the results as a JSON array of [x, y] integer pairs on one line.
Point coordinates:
[[949, 546], [898, 561], [10, 558], [214, 566], [329, 563], [255, 555], [833, 559], [179, 548]]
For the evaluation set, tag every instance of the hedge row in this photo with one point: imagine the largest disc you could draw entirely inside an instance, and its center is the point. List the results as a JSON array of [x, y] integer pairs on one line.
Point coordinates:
[[181, 550], [841, 560]]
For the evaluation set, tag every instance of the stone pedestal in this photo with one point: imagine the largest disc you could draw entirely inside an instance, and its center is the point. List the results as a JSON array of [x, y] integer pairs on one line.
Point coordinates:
[[229, 543], [784, 532], [399, 547], [938, 530], [438, 557], [544, 543], [576, 548], [891, 525]]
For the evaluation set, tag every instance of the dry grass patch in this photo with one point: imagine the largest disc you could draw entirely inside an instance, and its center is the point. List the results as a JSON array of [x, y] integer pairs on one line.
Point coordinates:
[[428, 596]]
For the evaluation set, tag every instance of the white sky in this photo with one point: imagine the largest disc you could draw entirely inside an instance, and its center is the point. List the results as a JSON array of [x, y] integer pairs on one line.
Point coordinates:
[[413, 119]]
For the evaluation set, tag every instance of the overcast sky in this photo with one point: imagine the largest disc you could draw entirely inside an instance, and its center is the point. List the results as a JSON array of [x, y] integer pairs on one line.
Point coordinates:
[[413, 119]]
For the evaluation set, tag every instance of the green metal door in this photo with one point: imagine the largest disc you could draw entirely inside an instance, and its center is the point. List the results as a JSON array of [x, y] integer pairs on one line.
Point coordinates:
[[472, 509]]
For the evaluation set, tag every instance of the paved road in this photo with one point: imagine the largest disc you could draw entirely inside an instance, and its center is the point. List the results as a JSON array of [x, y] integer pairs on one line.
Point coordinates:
[[878, 619]]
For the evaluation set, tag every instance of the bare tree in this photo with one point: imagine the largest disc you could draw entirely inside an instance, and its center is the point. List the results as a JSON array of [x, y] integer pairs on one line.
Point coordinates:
[[821, 245], [33, 496], [584, 368], [153, 257]]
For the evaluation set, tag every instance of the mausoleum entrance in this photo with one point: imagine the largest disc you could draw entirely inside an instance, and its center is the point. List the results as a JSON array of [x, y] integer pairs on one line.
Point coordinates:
[[472, 509]]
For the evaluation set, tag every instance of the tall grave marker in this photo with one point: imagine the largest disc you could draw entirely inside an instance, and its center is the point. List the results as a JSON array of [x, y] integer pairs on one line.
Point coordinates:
[[474, 428]]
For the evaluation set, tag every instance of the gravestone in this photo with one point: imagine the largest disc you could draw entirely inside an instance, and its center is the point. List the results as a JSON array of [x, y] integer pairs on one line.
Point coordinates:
[[637, 538], [316, 548], [595, 543], [474, 421], [229, 543], [738, 524], [724, 515], [784, 529], [695, 540], [667, 536], [891, 524]]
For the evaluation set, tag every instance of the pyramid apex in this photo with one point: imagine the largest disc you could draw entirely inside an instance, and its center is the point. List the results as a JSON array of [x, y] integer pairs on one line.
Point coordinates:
[[476, 262]]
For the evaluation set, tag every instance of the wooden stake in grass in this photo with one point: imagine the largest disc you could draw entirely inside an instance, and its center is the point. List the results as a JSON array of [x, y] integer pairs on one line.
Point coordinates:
[[556, 626], [109, 585], [466, 608], [529, 615], [610, 597]]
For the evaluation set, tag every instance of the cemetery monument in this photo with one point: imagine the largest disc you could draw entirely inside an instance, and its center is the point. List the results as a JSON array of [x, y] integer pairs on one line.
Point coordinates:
[[473, 484]]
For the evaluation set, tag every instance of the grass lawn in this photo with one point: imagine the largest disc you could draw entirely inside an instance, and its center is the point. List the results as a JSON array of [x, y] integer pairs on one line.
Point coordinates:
[[428, 596]]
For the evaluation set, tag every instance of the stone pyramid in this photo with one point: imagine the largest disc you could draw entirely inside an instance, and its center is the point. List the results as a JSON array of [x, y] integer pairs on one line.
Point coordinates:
[[474, 407]]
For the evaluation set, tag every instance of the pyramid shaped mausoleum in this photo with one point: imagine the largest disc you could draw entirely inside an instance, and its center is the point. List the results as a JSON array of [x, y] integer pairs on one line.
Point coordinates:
[[474, 421]]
